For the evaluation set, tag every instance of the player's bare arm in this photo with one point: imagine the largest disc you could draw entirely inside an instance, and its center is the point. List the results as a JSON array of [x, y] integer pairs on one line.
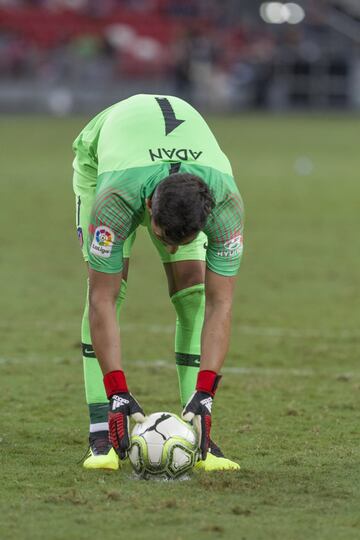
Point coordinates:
[[224, 230], [219, 292], [103, 292]]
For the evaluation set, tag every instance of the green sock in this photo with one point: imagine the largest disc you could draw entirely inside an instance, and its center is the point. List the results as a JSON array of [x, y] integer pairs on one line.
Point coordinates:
[[189, 305], [94, 387]]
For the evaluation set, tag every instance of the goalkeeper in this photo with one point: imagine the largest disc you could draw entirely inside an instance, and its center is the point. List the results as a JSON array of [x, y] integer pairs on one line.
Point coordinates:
[[152, 160]]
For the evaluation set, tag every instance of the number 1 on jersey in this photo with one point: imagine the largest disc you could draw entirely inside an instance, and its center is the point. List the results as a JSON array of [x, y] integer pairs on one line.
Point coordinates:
[[171, 122]]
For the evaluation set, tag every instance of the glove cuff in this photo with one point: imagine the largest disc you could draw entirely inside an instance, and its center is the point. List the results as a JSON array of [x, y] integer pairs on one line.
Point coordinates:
[[115, 383], [207, 381]]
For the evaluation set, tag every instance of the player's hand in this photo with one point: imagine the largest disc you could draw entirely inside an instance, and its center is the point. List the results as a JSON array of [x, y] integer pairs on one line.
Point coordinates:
[[122, 407], [198, 411], [198, 408]]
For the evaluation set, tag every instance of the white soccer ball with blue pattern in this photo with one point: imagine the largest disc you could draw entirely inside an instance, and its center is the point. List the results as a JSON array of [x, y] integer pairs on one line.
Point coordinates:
[[163, 447]]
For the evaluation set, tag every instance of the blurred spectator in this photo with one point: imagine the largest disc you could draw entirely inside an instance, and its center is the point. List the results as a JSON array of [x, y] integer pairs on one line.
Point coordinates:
[[212, 52]]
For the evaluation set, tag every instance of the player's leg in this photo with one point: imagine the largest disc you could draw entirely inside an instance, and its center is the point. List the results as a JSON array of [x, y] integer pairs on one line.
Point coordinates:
[[186, 290], [185, 271]]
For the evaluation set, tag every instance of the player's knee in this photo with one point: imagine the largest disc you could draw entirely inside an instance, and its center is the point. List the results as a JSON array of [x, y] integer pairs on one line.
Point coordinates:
[[184, 275], [189, 280], [189, 302]]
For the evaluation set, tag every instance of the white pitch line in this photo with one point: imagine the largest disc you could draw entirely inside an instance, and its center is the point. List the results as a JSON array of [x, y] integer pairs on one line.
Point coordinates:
[[262, 331], [270, 372], [251, 330], [165, 364]]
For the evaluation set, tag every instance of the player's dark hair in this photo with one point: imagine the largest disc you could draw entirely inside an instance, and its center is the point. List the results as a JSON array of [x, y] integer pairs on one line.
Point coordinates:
[[181, 205]]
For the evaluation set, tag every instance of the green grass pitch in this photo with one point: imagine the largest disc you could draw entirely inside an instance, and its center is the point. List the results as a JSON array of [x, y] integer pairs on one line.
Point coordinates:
[[288, 407]]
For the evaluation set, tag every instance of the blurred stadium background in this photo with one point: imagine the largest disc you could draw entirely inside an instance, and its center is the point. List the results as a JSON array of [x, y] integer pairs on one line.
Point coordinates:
[[75, 56]]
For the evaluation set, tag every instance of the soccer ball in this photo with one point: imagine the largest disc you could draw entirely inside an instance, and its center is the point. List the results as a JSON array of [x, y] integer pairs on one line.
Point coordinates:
[[163, 447]]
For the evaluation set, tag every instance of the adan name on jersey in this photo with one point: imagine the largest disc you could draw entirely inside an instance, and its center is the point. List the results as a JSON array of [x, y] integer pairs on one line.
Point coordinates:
[[182, 154]]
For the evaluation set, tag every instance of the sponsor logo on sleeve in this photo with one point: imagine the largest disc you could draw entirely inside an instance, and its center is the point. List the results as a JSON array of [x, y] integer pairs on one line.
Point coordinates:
[[232, 247], [103, 242]]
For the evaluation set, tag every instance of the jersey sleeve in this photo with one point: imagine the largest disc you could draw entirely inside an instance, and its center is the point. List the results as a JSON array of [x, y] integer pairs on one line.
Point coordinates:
[[224, 230], [85, 147], [111, 223]]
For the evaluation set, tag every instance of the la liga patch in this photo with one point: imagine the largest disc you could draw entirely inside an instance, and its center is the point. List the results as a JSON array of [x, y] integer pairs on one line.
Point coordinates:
[[103, 242]]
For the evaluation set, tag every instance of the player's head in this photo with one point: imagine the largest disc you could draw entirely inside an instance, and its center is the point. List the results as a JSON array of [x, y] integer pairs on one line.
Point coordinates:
[[179, 207]]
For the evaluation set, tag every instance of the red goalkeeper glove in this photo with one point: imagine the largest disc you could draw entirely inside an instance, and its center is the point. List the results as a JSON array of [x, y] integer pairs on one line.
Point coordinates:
[[122, 406], [198, 408]]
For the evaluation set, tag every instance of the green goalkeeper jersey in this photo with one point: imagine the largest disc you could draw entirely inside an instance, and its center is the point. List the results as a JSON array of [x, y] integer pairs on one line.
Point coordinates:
[[126, 150]]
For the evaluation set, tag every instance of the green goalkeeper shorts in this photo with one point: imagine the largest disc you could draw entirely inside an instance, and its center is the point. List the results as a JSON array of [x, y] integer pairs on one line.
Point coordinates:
[[85, 195]]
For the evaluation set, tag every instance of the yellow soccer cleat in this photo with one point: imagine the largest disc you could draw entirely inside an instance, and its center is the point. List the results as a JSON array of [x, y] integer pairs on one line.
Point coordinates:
[[101, 454], [216, 461]]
